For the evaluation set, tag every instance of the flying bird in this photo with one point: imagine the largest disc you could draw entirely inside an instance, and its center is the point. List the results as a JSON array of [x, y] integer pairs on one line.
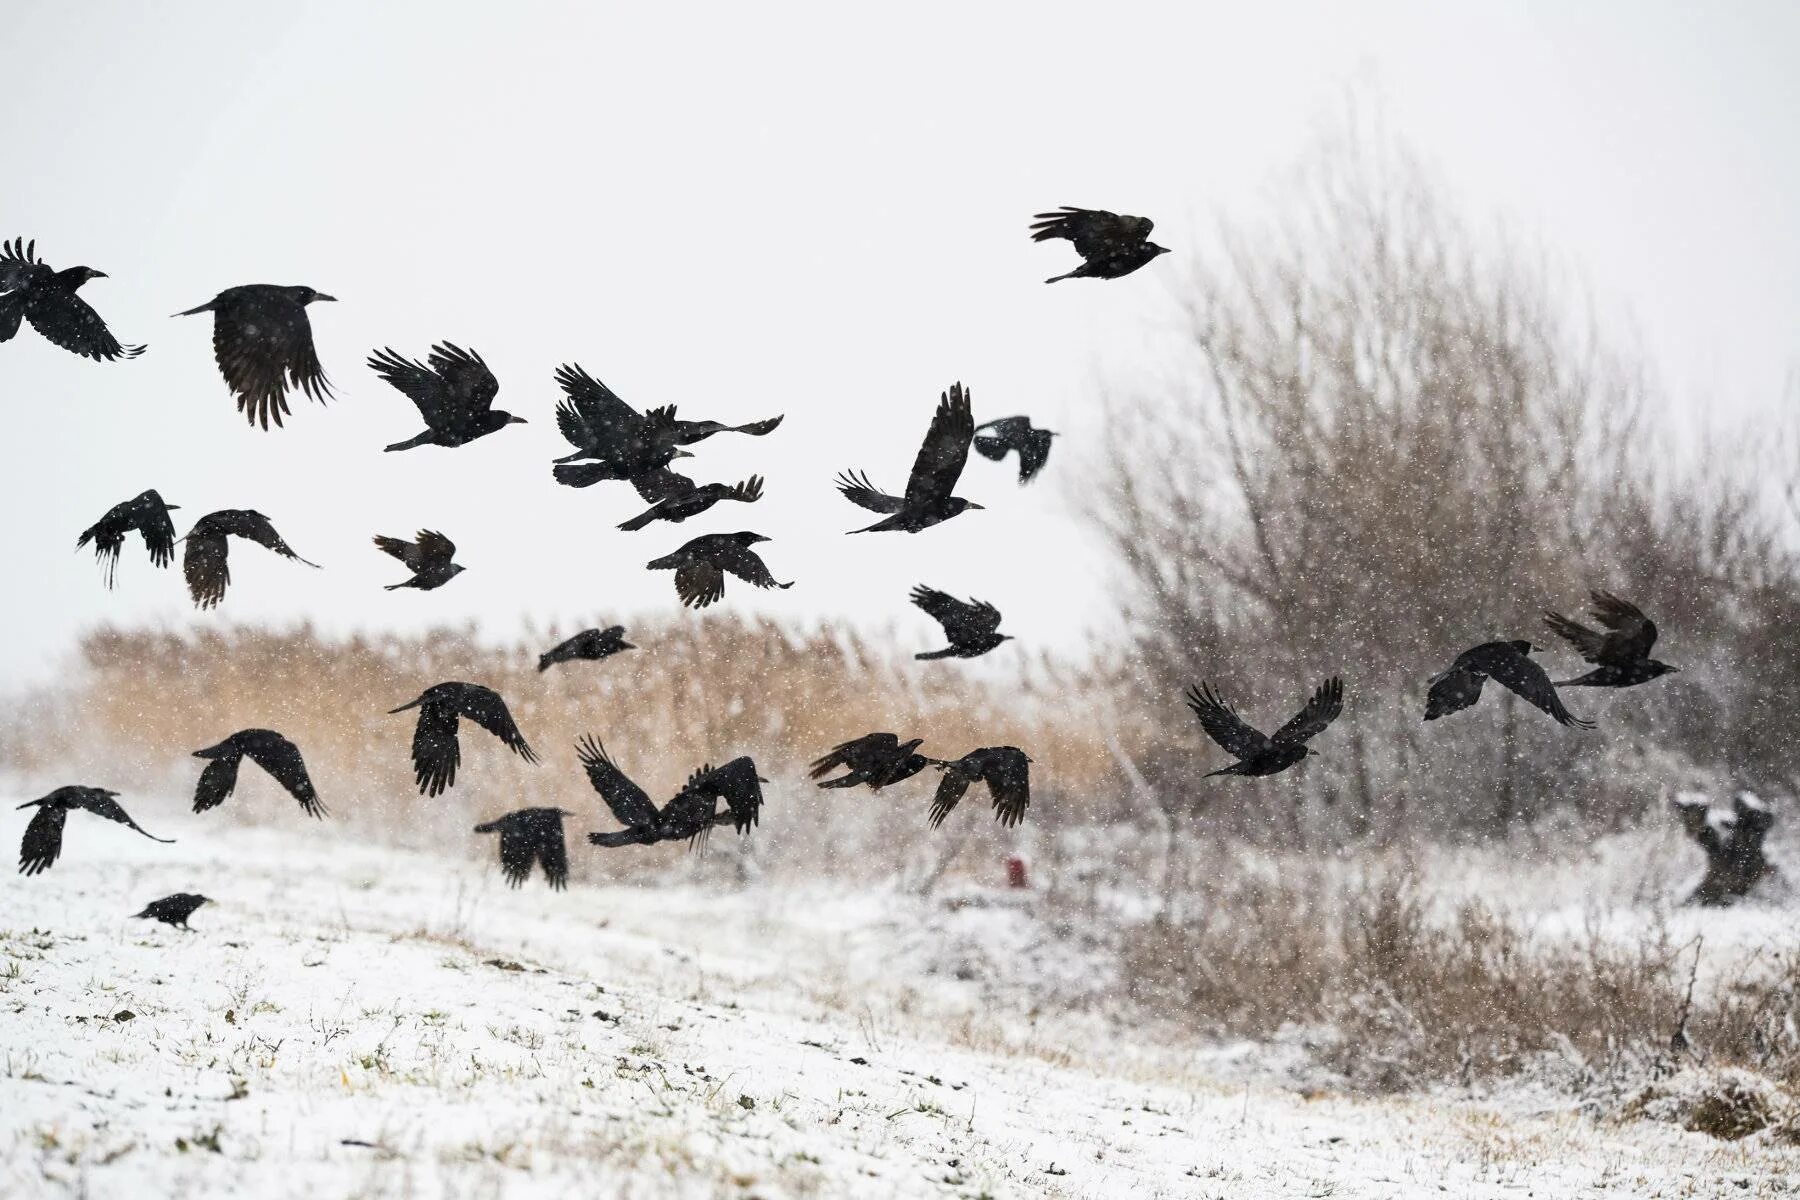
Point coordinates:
[[532, 835], [1256, 753], [700, 566], [435, 750], [969, 624], [268, 750], [875, 759], [940, 462], [173, 910], [31, 291], [42, 843], [454, 391], [686, 433], [1006, 771], [204, 562], [263, 342], [735, 784], [145, 512], [1508, 664], [1015, 434], [1621, 656], [690, 816], [625, 444], [590, 645], [679, 504], [428, 559], [1110, 245]]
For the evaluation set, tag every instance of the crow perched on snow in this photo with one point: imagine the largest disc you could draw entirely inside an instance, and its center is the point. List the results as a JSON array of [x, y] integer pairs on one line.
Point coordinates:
[[173, 910], [970, 625], [532, 835], [590, 644], [42, 843], [690, 816], [264, 345], [268, 750], [31, 291], [435, 750], [1508, 664], [1005, 770], [876, 759], [145, 512], [701, 564], [454, 391], [1621, 656], [1010, 434], [935, 471], [1110, 245], [678, 505], [428, 559], [204, 562], [1257, 753]]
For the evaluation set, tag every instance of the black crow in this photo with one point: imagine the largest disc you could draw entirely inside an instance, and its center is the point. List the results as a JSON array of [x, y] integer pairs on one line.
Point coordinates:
[[1005, 770], [624, 443], [268, 750], [1259, 754], [1110, 245], [686, 433], [690, 816], [970, 625], [454, 391], [264, 345], [32, 291], [172, 910], [1508, 664], [1622, 656], [1015, 433], [680, 505], [204, 562], [940, 461], [532, 835], [590, 644], [737, 785], [435, 750], [701, 564], [876, 759], [428, 559], [149, 515], [42, 844]]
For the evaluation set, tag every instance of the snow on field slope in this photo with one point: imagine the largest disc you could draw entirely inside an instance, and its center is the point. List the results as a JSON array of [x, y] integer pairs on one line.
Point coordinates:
[[354, 1021]]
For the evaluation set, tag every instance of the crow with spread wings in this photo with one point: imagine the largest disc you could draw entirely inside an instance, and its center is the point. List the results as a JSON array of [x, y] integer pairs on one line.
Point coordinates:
[[1110, 245], [1258, 753], [972, 626], [939, 464], [454, 391], [1621, 656], [690, 816], [1508, 664], [263, 341], [436, 753], [33, 292], [206, 563], [268, 750], [145, 512]]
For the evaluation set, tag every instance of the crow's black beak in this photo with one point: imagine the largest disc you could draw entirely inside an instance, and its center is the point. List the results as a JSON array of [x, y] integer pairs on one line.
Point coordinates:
[[323, 296]]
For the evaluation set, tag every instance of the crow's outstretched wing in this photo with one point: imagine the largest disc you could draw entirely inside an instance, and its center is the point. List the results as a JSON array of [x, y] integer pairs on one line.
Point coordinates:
[[485, 707], [67, 320], [949, 793], [1525, 679], [281, 759], [216, 782], [1326, 703], [1094, 231], [1223, 725], [627, 801], [469, 386], [42, 844], [945, 450], [963, 621], [264, 345], [857, 489]]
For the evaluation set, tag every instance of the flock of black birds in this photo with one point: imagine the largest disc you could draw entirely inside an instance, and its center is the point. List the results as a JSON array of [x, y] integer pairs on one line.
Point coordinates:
[[262, 340]]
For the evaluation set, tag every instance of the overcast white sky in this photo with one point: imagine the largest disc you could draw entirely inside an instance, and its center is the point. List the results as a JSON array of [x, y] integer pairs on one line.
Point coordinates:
[[752, 209]]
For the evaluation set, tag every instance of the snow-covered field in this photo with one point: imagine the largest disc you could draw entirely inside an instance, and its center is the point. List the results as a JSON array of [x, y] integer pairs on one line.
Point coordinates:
[[355, 1021]]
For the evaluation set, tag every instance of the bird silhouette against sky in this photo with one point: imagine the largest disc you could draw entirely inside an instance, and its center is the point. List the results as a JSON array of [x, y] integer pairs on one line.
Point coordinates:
[[589, 645], [1110, 245], [145, 512], [928, 500], [42, 844], [33, 292], [681, 503], [874, 759], [173, 910], [532, 835], [205, 561], [268, 750], [1621, 656], [1256, 752], [971, 625], [454, 391], [436, 751], [701, 565], [686, 433], [428, 559], [263, 341], [689, 817], [1508, 664], [619, 442], [1006, 771], [1015, 435]]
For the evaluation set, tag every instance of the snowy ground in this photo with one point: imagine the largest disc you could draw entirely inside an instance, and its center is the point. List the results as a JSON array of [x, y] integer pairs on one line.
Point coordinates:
[[355, 1021]]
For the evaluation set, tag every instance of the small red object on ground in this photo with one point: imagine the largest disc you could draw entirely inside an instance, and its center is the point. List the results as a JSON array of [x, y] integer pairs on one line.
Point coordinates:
[[1015, 873]]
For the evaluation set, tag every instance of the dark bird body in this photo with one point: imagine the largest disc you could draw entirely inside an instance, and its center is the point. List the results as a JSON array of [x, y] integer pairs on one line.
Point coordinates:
[[970, 625], [428, 559], [1015, 435], [623, 443], [268, 750], [590, 645], [690, 816], [1110, 245], [263, 342], [682, 504], [454, 391], [1256, 752], [928, 500], [1621, 656], [875, 759], [205, 562], [435, 749], [30, 291], [1508, 664], [1005, 770], [145, 512], [532, 835], [42, 843], [701, 565], [172, 910]]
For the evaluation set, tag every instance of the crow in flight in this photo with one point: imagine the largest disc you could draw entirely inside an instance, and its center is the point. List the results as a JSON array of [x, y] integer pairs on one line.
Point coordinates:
[[1005, 770], [970, 625], [42, 844], [686, 433], [454, 391], [528, 835], [1622, 656], [940, 461], [1015, 433], [876, 759], [1508, 664], [204, 562], [172, 910], [435, 750], [690, 816], [149, 515], [701, 564], [264, 345], [268, 750], [32, 291], [590, 644], [428, 559], [624, 443], [680, 505], [1258, 754], [1110, 245]]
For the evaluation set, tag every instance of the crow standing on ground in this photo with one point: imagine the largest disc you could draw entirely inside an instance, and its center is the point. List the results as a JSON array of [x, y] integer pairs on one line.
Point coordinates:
[[690, 816], [1257, 753], [145, 512], [1010, 434], [591, 645], [263, 342], [172, 910], [454, 391], [268, 750], [970, 625], [1622, 656], [1006, 771], [679, 505], [1508, 664], [31, 291], [435, 750], [701, 564], [935, 471], [42, 843], [532, 835], [1110, 245], [876, 759], [428, 559], [205, 563]]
